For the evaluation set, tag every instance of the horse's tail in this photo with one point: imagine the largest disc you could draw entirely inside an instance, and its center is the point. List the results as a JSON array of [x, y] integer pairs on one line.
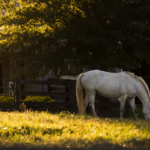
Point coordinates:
[[79, 94]]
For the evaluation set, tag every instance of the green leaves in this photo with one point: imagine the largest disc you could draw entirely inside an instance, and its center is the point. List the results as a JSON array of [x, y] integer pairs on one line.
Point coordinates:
[[89, 32]]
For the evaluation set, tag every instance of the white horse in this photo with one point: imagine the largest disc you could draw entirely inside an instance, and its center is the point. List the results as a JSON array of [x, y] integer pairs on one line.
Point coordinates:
[[123, 85]]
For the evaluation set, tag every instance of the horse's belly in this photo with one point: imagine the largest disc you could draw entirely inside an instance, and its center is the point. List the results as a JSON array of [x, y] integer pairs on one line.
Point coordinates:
[[109, 93]]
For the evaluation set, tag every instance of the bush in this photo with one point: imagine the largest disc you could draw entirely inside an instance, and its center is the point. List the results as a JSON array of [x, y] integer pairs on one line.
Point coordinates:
[[38, 99], [29, 98], [8, 99]]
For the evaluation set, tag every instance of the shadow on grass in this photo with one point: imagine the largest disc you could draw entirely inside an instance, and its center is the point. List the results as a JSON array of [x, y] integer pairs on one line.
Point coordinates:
[[106, 146]]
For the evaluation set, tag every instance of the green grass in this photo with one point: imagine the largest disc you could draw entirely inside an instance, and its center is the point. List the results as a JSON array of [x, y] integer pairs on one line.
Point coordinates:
[[66, 130], [139, 110]]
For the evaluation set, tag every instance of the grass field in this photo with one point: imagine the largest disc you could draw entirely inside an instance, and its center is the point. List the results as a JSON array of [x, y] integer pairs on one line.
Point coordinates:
[[65, 130]]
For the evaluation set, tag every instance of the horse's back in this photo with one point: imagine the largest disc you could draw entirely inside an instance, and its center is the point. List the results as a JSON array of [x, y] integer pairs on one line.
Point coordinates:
[[96, 78], [101, 76], [110, 85]]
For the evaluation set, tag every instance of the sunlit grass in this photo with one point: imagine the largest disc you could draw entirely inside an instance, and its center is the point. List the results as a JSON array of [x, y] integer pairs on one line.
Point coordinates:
[[67, 130]]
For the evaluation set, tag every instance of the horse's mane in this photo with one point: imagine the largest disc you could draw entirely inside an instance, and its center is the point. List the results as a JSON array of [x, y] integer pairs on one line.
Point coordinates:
[[141, 80]]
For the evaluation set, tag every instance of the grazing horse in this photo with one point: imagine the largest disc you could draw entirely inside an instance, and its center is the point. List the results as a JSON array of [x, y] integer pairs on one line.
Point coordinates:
[[123, 85]]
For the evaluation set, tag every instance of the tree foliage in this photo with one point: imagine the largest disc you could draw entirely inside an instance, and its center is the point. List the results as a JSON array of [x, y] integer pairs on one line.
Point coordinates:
[[42, 35]]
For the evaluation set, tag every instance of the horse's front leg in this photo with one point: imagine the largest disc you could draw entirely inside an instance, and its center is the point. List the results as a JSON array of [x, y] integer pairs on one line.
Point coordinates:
[[132, 104], [122, 105]]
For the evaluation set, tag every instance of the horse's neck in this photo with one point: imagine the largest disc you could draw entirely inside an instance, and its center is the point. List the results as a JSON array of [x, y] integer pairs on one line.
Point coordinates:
[[143, 95]]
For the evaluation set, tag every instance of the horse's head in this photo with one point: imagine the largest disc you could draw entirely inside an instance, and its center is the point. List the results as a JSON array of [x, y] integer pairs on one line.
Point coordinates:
[[146, 111]]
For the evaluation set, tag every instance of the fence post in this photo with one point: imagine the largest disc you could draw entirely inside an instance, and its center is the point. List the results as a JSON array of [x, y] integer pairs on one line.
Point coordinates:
[[17, 93], [66, 90], [75, 99], [15, 88]]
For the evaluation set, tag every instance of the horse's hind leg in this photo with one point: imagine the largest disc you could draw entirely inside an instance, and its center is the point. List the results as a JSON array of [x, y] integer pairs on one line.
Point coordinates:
[[132, 104], [122, 105], [91, 95], [86, 101]]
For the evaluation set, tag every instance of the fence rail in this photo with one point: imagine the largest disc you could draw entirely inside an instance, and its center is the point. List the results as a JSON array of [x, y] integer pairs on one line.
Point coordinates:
[[53, 82], [58, 94]]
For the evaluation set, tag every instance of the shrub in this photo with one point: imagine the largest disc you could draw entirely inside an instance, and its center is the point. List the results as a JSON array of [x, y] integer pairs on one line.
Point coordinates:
[[5, 98], [38, 99]]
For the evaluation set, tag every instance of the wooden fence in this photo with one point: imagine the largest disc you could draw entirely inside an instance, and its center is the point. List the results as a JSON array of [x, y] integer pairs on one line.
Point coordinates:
[[67, 97], [63, 94], [63, 98], [62, 91]]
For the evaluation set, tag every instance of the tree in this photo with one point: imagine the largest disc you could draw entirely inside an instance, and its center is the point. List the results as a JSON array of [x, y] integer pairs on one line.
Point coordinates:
[[112, 34], [31, 34], [91, 34]]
